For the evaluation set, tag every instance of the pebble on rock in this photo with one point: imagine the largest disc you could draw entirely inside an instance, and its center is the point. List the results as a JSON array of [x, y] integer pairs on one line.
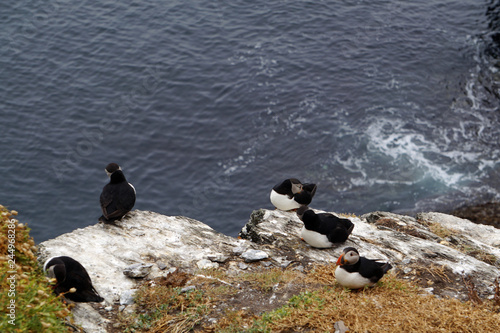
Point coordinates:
[[283, 262], [161, 265], [238, 250], [254, 255], [220, 258], [242, 265], [137, 270], [206, 264]]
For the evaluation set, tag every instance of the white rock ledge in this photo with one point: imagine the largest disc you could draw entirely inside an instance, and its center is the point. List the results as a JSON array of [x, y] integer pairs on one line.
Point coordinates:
[[173, 242]]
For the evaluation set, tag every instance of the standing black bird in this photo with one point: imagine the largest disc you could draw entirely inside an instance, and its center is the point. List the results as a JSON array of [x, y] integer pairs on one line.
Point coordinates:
[[356, 272], [69, 273], [292, 194], [117, 197], [324, 229]]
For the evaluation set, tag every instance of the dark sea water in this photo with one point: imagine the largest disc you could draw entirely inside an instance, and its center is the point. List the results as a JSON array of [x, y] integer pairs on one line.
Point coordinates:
[[386, 105]]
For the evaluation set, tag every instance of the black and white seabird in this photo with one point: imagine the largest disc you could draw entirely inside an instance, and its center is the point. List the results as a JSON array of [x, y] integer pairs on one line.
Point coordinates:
[[357, 272], [69, 273], [117, 197], [324, 229], [292, 194]]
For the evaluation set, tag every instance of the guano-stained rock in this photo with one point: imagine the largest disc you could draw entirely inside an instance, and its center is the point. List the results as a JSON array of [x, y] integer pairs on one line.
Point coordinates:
[[410, 244]]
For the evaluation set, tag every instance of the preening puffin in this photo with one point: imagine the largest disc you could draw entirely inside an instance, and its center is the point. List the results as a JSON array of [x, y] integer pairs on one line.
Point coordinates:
[[69, 273], [356, 272], [292, 194], [117, 197], [324, 229]]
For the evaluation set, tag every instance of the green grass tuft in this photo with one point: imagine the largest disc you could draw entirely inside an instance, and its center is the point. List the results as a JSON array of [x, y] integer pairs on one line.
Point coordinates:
[[36, 308]]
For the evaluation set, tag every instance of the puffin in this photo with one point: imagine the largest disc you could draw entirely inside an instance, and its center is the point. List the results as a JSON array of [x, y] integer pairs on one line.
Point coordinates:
[[69, 273], [324, 229], [355, 272], [117, 197], [291, 194]]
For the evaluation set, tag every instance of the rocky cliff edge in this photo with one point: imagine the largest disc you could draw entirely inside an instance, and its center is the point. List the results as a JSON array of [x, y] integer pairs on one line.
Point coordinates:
[[445, 255]]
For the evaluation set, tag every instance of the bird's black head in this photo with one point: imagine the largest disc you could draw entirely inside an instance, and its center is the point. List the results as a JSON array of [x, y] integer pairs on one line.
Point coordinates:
[[115, 173], [112, 167], [311, 188], [55, 269], [350, 248], [300, 212], [349, 256]]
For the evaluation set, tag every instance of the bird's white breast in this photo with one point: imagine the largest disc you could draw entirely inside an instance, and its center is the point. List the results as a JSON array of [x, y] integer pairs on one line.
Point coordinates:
[[281, 201], [351, 280], [315, 239], [133, 188]]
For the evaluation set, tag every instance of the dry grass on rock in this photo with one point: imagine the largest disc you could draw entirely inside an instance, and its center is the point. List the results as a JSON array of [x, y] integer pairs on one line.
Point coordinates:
[[275, 300], [392, 306]]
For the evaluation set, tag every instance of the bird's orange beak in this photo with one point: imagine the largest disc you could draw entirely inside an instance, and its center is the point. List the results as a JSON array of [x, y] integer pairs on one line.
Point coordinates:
[[340, 260]]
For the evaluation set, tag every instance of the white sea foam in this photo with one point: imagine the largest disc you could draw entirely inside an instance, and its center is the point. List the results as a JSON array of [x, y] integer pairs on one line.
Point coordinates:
[[389, 137]]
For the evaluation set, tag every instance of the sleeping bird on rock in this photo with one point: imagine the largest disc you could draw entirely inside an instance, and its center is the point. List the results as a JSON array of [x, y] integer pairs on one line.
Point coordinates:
[[324, 229], [69, 274], [291, 194]]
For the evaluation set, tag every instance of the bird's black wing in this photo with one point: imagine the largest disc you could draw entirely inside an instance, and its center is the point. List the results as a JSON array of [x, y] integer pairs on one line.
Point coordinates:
[[348, 225], [106, 200], [117, 200], [126, 198], [78, 278], [303, 197], [123, 202], [372, 269], [285, 187], [335, 228], [311, 188]]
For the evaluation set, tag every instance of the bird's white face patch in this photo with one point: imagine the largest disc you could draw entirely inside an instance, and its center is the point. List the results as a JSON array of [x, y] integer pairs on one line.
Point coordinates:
[[46, 262], [315, 239], [351, 257], [296, 188], [351, 280], [50, 272]]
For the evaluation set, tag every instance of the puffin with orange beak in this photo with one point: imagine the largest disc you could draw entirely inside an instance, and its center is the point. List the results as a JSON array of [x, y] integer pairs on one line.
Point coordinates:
[[356, 272]]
